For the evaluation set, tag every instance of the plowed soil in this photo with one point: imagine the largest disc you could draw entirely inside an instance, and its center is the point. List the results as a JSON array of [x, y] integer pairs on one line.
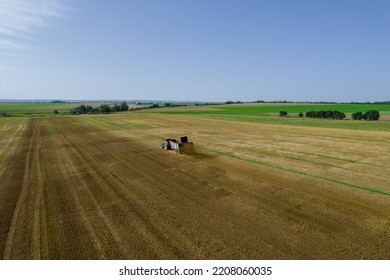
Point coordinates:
[[100, 187]]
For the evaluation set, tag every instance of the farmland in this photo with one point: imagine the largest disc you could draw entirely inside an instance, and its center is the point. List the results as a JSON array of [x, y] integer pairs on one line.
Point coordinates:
[[275, 108], [26, 109], [268, 113], [99, 187], [39, 109]]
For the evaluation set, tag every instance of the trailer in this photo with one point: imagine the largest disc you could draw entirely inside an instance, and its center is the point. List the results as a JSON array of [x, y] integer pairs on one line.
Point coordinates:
[[182, 147]]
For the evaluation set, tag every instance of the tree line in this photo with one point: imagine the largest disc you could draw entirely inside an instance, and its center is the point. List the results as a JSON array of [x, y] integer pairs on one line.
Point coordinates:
[[328, 114], [371, 115], [102, 109]]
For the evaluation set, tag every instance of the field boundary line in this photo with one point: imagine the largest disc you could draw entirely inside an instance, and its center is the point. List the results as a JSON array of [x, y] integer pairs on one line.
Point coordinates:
[[36, 233], [313, 162], [301, 152], [219, 117], [300, 172]]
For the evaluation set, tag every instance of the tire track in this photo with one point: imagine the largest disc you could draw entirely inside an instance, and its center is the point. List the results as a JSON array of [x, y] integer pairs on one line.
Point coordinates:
[[140, 163], [11, 178], [129, 205], [72, 189], [24, 236], [37, 209], [10, 145], [69, 233]]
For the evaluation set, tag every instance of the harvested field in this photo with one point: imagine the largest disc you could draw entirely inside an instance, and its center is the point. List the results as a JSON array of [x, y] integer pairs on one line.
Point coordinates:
[[99, 187]]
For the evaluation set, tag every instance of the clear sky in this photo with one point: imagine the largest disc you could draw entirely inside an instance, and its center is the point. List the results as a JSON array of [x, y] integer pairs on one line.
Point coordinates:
[[200, 50]]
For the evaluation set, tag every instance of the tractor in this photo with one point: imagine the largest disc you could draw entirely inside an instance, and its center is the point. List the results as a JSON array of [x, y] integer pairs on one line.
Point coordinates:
[[182, 147]]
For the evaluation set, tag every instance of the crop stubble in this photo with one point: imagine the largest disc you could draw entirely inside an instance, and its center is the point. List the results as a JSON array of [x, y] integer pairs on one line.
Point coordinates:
[[99, 187]]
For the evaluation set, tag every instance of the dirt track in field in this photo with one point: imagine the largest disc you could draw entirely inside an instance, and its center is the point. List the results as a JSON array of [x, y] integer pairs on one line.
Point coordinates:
[[101, 188]]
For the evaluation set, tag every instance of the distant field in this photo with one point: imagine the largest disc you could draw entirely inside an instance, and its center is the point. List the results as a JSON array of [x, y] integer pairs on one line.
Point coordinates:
[[23, 109], [271, 108], [40, 109], [100, 187], [44, 109], [341, 124], [268, 114]]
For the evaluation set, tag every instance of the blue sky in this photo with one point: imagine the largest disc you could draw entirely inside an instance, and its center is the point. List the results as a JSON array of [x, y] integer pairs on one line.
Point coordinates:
[[214, 50]]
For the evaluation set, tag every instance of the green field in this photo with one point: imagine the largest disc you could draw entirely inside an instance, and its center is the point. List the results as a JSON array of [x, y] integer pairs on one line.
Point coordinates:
[[268, 114], [35, 109], [263, 109], [274, 120]]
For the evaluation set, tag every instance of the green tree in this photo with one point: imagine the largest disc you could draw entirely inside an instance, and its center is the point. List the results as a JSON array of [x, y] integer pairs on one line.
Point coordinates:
[[88, 108], [104, 109], [94, 110], [283, 114], [326, 114], [116, 107], [82, 109], [154, 106], [300, 115], [371, 115], [124, 106], [357, 116]]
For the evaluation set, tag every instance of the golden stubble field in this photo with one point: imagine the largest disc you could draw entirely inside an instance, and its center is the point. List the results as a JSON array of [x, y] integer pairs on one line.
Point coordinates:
[[100, 187]]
